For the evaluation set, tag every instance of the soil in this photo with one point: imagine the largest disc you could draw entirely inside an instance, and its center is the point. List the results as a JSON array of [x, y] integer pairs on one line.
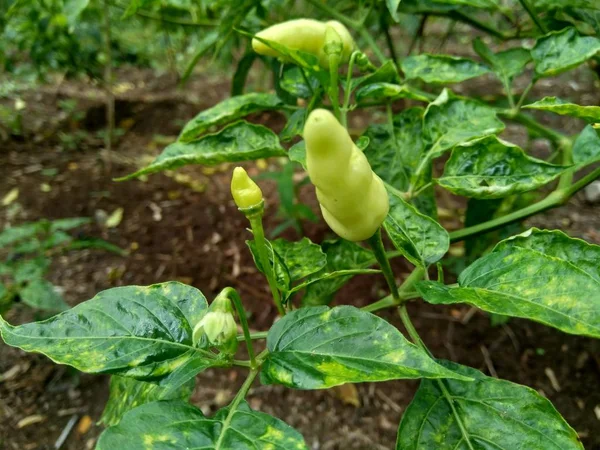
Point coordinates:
[[183, 226]]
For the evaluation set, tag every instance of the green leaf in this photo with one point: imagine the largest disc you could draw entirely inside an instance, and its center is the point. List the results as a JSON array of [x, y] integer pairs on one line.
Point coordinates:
[[392, 6], [291, 261], [489, 414], [178, 425], [492, 168], [41, 294], [558, 106], [586, 148], [322, 347], [228, 110], [421, 239], [389, 92], [295, 83], [560, 51], [12, 235], [441, 68], [452, 120], [140, 332], [73, 9], [68, 224], [31, 269], [238, 82], [396, 159], [545, 5], [126, 394], [294, 126], [241, 141], [342, 256], [506, 64], [387, 73], [544, 276]]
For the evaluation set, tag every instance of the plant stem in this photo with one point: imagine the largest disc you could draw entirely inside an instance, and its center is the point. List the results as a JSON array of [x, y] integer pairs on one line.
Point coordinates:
[[110, 98], [235, 403], [533, 125], [372, 44], [566, 179], [385, 26], [525, 93], [377, 245], [583, 182], [527, 7], [414, 335], [237, 302], [334, 89], [348, 90], [263, 257], [253, 336]]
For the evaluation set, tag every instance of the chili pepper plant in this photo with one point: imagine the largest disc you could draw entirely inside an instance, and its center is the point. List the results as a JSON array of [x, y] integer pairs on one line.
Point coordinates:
[[374, 189]]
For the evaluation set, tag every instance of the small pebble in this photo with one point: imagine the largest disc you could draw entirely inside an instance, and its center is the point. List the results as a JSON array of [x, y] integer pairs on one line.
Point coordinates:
[[592, 192]]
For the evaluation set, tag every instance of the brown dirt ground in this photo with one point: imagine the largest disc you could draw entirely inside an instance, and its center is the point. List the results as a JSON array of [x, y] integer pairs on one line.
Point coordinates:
[[188, 229]]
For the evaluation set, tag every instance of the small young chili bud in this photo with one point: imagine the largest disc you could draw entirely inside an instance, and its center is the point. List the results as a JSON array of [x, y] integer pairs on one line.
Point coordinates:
[[246, 193], [217, 326]]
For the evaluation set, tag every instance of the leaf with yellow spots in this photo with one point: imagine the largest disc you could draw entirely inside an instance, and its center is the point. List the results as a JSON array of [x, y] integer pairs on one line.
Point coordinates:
[[127, 394], [486, 413], [539, 275], [178, 425], [136, 331], [321, 347]]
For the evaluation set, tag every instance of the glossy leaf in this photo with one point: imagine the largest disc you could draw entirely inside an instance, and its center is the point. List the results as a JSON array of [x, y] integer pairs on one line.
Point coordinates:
[[586, 148], [321, 347], [392, 6], [294, 126], [228, 110], [492, 168], [544, 276], [563, 50], [291, 261], [396, 159], [41, 294], [421, 239], [178, 425], [296, 84], [342, 255], [241, 141], [490, 414], [126, 394], [389, 92], [135, 331], [387, 73], [441, 68], [558, 106], [452, 120], [506, 64]]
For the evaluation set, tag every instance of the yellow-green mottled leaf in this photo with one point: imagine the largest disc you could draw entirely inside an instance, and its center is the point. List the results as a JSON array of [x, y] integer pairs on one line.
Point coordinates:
[[491, 414], [563, 50], [387, 73], [491, 168], [540, 275], [321, 347], [452, 120], [177, 425], [342, 256], [441, 69], [135, 331], [126, 394], [377, 92], [240, 141], [228, 110], [506, 64], [558, 106], [586, 148], [420, 238]]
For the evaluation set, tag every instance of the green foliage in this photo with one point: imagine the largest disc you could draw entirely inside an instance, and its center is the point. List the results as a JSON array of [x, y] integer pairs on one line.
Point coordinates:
[[491, 168], [175, 423], [321, 347], [488, 413], [441, 68], [540, 275], [28, 251], [558, 106]]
